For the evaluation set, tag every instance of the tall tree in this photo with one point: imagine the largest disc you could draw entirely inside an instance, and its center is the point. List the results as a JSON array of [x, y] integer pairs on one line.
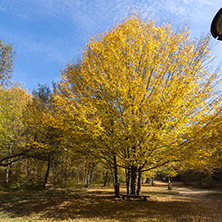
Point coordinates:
[[134, 98], [7, 56], [13, 102], [43, 137]]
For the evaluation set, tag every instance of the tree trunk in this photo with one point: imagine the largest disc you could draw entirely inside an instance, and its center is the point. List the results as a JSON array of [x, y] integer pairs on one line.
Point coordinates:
[[151, 181], [92, 173], [89, 176], [133, 180], [6, 175], [138, 191], [47, 171], [28, 170], [116, 178], [105, 178], [77, 176], [128, 179], [66, 170], [54, 174]]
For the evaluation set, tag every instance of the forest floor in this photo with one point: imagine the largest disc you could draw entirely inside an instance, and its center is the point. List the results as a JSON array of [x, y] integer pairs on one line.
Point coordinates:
[[98, 204]]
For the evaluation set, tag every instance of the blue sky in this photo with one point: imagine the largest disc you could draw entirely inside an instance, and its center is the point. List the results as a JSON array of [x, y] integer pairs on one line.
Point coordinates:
[[47, 34]]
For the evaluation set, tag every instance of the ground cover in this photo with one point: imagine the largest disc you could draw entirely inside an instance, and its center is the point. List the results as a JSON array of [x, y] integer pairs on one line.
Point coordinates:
[[98, 204]]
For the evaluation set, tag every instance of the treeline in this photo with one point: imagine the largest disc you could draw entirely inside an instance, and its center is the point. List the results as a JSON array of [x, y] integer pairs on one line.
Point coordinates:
[[142, 99], [25, 163]]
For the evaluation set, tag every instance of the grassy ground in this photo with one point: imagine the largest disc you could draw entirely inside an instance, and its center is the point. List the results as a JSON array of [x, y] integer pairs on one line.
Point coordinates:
[[98, 204]]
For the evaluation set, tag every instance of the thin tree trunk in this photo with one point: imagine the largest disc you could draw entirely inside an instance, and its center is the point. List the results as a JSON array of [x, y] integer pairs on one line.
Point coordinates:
[[116, 178], [6, 175], [66, 170], [47, 171], [151, 179], [77, 176], [133, 180], [105, 178], [91, 173], [54, 174], [128, 179], [34, 175], [87, 177], [138, 192]]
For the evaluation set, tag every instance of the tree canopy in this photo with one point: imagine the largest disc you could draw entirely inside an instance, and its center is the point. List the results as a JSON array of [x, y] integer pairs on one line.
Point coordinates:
[[140, 95], [142, 99], [7, 56]]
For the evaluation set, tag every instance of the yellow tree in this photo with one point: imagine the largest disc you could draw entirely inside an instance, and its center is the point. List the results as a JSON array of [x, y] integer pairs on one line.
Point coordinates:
[[135, 96], [43, 138], [209, 150], [13, 102]]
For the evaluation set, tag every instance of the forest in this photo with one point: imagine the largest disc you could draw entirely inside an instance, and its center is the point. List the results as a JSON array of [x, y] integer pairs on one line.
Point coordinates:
[[142, 102]]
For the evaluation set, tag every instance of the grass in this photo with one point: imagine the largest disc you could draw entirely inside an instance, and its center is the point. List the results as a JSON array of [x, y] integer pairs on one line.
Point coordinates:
[[98, 204]]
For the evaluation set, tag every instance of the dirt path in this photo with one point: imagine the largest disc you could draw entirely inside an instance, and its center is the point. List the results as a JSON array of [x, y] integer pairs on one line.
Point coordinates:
[[191, 192], [181, 189]]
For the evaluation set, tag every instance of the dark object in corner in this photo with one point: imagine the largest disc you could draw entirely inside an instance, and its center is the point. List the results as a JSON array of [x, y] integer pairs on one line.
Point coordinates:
[[216, 26]]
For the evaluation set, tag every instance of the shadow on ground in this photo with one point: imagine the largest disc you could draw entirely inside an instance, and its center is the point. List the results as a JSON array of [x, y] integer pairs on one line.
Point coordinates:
[[101, 205]]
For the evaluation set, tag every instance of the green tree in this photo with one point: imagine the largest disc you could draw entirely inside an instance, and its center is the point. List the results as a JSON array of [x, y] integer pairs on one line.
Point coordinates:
[[7, 56]]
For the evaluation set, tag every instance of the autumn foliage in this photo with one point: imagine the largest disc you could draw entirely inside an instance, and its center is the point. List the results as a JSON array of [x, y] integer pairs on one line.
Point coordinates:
[[140, 98]]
